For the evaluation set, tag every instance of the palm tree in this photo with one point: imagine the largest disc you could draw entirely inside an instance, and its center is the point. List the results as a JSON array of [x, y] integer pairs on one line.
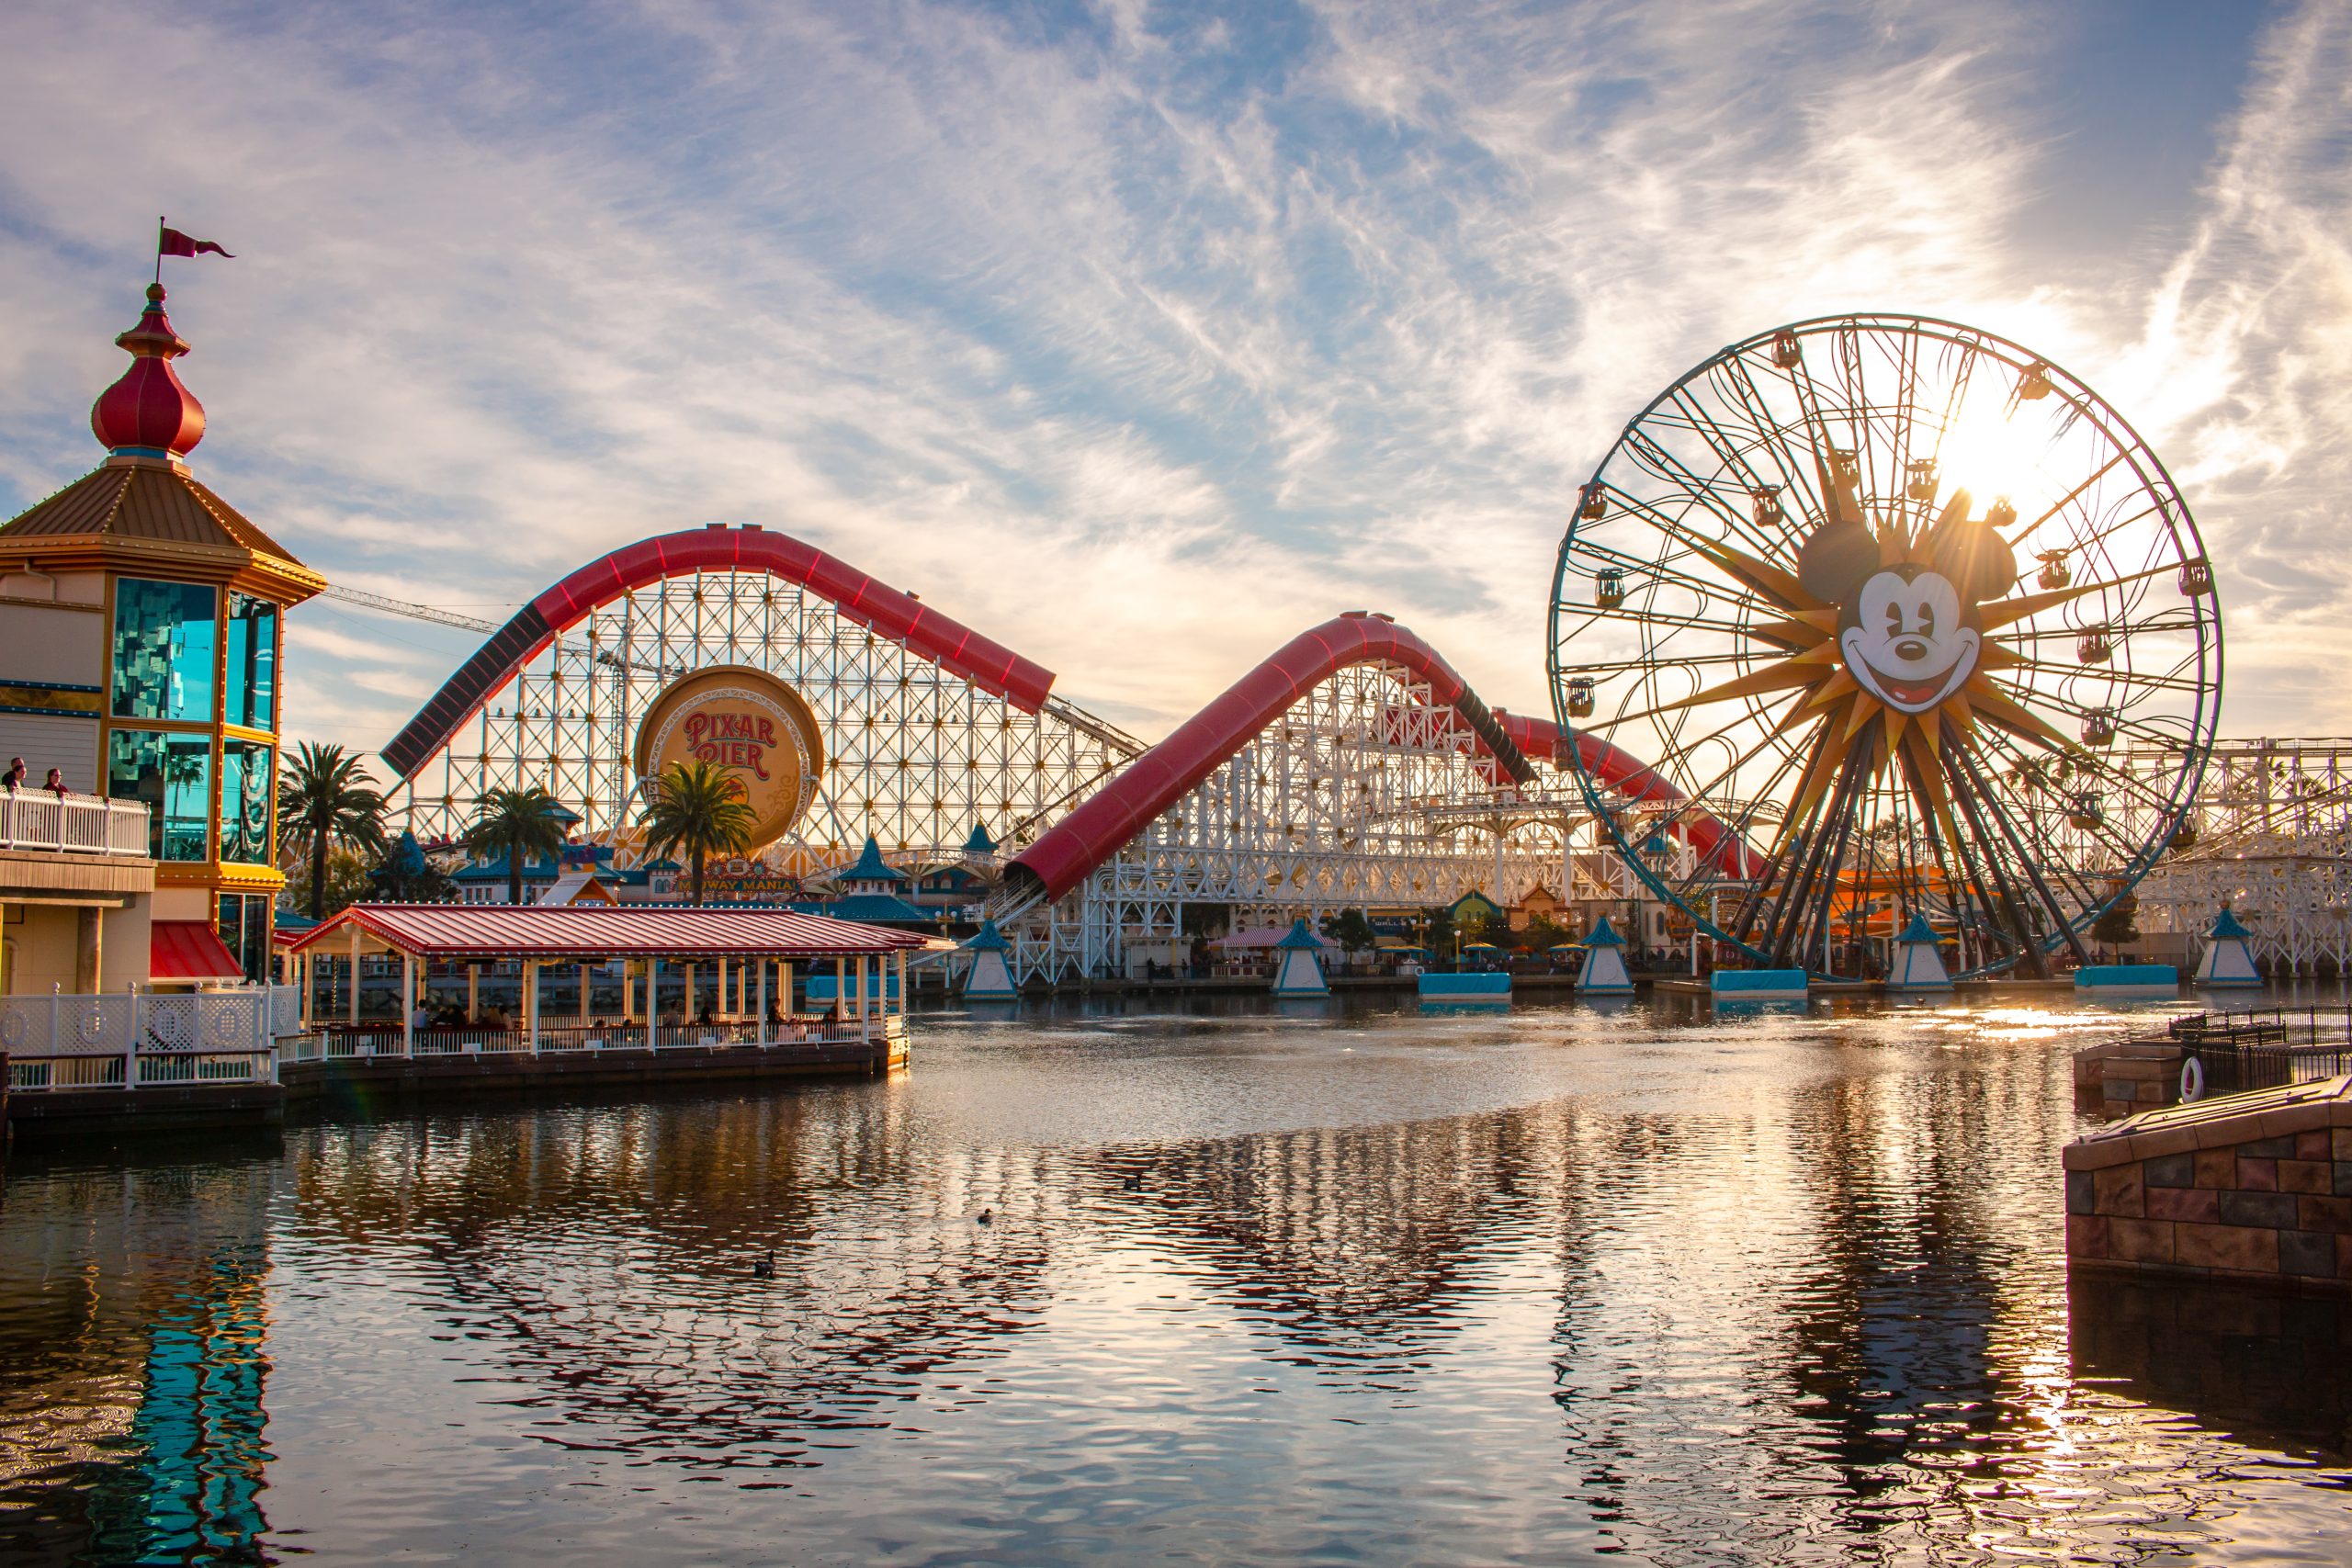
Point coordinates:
[[694, 808], [520, 822], [326, 799]]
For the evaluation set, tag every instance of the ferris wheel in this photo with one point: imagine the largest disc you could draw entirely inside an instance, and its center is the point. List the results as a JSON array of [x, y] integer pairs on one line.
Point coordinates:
[[1911, 625]]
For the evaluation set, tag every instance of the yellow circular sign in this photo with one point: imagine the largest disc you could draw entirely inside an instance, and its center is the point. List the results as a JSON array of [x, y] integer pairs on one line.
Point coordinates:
[[751, 726]]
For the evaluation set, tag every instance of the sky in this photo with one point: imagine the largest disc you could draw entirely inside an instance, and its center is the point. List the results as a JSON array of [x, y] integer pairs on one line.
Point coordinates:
[[1141, 336]]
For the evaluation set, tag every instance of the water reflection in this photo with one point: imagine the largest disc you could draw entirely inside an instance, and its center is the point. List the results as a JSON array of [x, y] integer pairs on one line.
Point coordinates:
[[132, 1364], [1355, 1283]]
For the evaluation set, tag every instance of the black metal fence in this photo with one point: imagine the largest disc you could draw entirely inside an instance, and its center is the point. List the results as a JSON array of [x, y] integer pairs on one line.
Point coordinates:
[[2266, 1047]]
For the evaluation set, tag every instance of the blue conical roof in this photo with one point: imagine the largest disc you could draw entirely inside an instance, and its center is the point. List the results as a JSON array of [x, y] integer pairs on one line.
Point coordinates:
[[870, 866], [2225, 924], [1918, 930], [979, 844], [1299, 936], [986, 940], [1604, 935]]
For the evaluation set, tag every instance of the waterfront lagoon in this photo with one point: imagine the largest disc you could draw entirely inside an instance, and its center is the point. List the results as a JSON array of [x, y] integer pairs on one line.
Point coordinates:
[[1255, 1282]]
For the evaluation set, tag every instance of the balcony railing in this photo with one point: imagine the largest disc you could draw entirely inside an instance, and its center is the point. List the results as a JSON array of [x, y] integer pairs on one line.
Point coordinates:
[[73, 824], [139, 1039]]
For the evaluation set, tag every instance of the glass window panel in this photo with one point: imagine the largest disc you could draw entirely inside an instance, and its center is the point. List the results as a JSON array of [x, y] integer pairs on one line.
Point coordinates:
[[172, 775], [243, 926], [244, 801], [251, 698], [164, 643]]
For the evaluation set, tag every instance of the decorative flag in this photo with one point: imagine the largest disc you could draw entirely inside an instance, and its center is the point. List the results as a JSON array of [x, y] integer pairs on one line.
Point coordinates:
[[174, 243]]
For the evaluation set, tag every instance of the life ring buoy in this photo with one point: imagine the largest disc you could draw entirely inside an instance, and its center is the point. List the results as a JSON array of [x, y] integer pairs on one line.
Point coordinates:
[[2192, 1080]]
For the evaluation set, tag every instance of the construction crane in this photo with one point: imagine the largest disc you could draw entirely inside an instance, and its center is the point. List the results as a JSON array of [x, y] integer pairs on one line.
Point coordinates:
[[414, 611], [441, 617]]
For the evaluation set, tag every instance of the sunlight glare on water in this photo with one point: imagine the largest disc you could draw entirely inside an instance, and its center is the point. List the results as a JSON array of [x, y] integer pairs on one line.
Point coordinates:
[[1261, 1282]]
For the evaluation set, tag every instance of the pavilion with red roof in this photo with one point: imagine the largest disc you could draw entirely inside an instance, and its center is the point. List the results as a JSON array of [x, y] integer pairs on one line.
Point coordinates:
[[731, 970]]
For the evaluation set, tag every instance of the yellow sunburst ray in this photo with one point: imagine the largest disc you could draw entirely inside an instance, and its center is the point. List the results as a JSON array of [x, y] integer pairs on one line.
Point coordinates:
[[1999, 656], [1866, 708], [1926, 778], [1776, 677], [1780, 587], [1960, 710], [1893, 724], [1994, 704], [2008, 612], [1799, 631], [1828, 759], [1841, 684]]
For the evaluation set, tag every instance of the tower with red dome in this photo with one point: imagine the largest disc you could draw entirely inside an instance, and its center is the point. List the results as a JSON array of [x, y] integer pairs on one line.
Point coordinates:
[[140, 620]]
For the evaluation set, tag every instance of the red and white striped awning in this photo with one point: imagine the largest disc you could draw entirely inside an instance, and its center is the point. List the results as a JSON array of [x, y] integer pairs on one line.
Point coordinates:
[[575, 932]]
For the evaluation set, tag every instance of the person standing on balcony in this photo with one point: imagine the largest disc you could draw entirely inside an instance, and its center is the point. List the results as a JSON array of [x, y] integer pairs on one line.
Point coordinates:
[[56, 782], [15, 777]]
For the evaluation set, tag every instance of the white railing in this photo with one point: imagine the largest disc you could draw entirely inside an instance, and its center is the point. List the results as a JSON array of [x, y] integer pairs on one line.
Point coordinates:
[[76, 824], [140, 1039], [379, 1041]]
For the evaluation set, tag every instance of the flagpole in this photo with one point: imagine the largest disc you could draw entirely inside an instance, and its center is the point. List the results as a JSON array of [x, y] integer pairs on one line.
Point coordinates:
[[159, 252]]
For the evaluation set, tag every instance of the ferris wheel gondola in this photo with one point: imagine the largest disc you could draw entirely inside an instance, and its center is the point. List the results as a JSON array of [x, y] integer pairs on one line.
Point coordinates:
[[1920, 588]]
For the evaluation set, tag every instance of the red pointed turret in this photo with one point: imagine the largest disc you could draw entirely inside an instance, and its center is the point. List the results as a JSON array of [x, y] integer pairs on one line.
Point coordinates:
[[148, 413]]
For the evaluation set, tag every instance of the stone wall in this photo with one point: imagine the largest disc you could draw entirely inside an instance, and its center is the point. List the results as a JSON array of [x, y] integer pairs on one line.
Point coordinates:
[[2126, 1077], [2255, 1186]]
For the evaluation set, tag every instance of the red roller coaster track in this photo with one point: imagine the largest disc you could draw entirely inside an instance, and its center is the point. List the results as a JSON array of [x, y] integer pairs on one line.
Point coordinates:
[[884, 611], [1094, 831]]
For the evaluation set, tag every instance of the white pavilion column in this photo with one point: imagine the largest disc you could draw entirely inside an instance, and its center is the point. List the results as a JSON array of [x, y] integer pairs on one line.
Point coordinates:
[[473, 993], [764, 1000], [352, 1001], [628, 991], [531, 1003], [720, 1005], [652, 997], [864, 987], [784, 988], [408, 1004], [686, 1010], [583, 993], [903, 985], [841, 989]]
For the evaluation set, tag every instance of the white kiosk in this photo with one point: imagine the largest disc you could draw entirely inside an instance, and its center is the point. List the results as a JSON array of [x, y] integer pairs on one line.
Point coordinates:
[[989, 978], [1299, 969], [2228, 961], [1604, 964], [1917, 967]]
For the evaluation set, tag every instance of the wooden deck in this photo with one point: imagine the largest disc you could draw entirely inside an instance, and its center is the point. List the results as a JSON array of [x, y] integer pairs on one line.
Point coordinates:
[[348, 1081]]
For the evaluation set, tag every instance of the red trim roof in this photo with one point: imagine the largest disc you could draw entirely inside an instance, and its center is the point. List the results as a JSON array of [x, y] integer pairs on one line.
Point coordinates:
[[588, 930], [189, 950]]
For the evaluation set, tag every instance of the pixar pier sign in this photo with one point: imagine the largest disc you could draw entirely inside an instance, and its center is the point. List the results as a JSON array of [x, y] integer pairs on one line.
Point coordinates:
[[732, 741], [758, 730]]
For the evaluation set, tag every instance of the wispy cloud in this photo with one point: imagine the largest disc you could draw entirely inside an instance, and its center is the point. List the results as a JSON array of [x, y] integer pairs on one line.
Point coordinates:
[[1139, 339]]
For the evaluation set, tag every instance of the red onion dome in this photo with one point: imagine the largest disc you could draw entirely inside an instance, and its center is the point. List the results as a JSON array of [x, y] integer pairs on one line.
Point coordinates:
[[148, 413]]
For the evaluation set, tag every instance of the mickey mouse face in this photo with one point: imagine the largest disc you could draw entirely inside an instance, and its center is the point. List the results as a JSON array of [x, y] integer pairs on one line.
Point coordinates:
[[1909, 629], [1903, 639]]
